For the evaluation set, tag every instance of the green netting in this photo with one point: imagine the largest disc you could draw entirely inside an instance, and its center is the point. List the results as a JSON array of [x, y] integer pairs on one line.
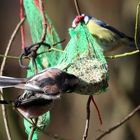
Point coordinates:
[[81, 44], [44, 119], [84, 58], [35, 23], [46, 59]]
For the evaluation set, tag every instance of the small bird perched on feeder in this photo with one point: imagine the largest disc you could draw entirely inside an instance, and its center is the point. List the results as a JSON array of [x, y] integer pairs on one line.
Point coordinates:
[[50, 82], [106, 36], [40, 90]]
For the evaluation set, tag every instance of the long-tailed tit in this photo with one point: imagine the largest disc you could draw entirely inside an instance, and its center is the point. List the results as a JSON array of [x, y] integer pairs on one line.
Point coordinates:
[[50, 82]]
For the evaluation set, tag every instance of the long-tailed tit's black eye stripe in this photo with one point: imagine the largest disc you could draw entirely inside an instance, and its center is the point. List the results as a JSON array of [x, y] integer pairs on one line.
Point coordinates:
[[46, 81]]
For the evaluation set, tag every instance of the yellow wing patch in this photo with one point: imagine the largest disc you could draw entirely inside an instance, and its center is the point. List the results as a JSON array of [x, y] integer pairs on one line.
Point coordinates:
[[100, 32]]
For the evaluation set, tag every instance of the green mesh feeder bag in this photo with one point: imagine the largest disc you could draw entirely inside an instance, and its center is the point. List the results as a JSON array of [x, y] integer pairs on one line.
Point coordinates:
[[47, 59], [34, 19], [84, 58]]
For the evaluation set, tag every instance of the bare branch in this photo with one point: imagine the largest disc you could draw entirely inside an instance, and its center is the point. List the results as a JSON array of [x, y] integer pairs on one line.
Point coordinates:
[[77, 7], [125, 119], [136, 26], [32, 129], [85, 135], [123, 54], [4, 112], [9, 45], [43, 20], [98, 112]]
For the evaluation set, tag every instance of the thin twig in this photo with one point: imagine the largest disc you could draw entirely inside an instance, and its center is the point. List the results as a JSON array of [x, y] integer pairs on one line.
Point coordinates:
[[97, 109], [43, 21], [9, 44], [22, 27], [31, 133], [33, 129], [127, 104], [52, 49], [9, 56], [85, 135], [136, 25], [125, 119], [5, 119], [135, 38], [77, 7], [4, 112], [123, 55]]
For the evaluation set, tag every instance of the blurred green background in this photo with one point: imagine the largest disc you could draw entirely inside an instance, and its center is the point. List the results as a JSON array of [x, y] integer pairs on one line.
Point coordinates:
[[68, 114]]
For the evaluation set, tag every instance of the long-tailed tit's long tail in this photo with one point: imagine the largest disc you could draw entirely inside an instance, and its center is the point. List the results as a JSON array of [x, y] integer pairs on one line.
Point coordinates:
[[51, 81], [4, 102], [6, 82]]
